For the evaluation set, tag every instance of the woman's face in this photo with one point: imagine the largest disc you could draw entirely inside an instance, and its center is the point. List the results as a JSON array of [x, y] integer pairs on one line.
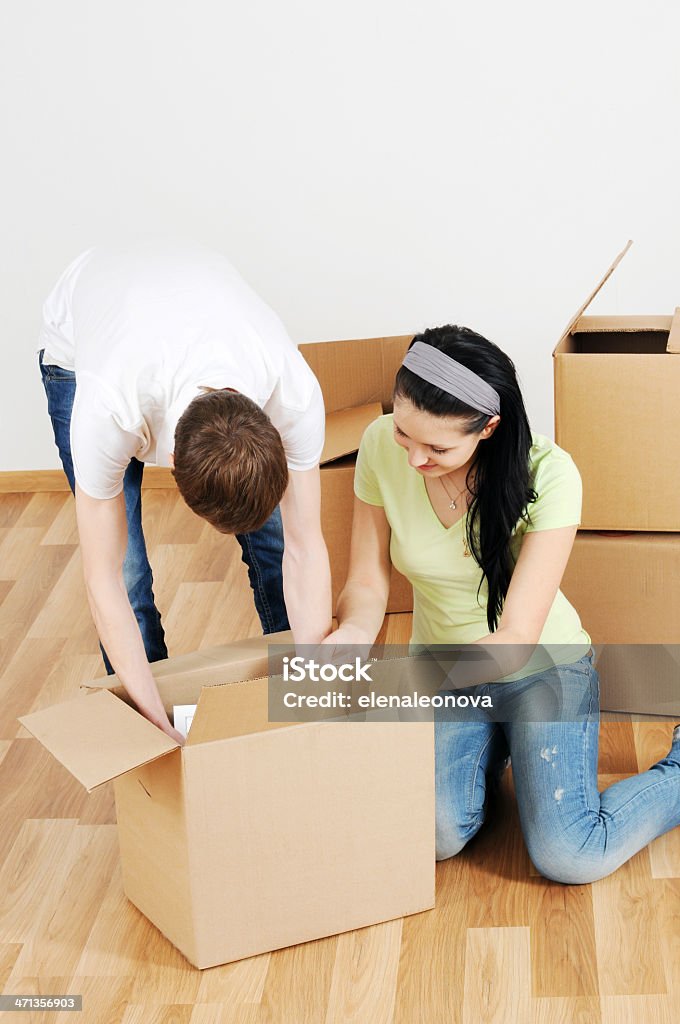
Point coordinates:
[[436, 445]]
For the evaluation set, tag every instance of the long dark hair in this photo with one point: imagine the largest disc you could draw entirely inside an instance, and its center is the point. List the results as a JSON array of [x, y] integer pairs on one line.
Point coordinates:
[[498, 479]]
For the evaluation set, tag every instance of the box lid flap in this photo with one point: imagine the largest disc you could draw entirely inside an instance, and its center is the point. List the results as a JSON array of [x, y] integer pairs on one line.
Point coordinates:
[[180, 678], [232, 710], [579, 313], [673, 344], [345, 428], [97, 737]]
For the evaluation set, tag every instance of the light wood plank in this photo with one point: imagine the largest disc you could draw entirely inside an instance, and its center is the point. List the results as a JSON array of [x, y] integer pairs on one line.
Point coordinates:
[[22, 682], [189, 612], [5, 587], [63, 922], [564, 961], [144, 1013], [64, 529], [499, 866], [497, 976], [237, 984], [233, 613], [300, 979], [230, 1013], [42, 509], [617, 749], [667, 900], [27, 877], [566, 1010], [363, 986], [638, 1010], [435, 980], [28, 596], [105, 1000], [34, 785], [11, 506], [652, 743], [625, 903], [4, 747], [9, 951], [121, 936], [18, 550]]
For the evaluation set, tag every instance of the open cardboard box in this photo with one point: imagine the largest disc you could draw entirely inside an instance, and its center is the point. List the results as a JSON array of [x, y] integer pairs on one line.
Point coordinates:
[[617, 381], [356, 379], [256, 835]]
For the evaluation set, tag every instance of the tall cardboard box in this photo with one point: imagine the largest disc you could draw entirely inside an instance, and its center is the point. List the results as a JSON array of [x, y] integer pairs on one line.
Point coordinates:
[[617, 413], [255, 835], [356, 378]]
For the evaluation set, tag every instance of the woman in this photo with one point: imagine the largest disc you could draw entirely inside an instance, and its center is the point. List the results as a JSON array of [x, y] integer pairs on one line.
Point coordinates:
[[481, 515]]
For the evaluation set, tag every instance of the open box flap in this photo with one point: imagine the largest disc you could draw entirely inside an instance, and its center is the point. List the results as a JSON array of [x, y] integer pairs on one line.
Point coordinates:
[[231, 710], [180, 679], [674, 335], [579, 313], [345, 428], [97, 737]]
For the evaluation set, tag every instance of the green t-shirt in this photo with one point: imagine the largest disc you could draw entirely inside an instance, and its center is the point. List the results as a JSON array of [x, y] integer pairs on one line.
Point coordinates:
[[445, 581]]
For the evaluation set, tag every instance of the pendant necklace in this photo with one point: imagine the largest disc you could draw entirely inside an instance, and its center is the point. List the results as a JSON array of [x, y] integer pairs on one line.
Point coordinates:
[[453, 506], [452, 501]]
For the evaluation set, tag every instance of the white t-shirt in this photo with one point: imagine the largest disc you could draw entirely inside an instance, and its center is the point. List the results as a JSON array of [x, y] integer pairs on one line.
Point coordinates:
[[144, 327]]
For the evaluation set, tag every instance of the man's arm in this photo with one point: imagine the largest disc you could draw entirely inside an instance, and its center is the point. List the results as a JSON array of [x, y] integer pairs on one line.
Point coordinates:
[[102, 527], [306, 572]]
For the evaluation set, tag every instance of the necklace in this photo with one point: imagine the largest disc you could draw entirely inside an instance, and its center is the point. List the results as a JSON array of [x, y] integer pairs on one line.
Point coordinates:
[[452, 506], [452, 501]]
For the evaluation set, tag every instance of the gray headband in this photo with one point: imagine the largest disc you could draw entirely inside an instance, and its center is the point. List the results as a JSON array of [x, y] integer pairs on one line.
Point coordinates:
[[446, 373]]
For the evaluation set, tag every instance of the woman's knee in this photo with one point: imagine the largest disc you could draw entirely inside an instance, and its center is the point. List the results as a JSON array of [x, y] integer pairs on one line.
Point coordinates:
[[451, 836], [560, 860]]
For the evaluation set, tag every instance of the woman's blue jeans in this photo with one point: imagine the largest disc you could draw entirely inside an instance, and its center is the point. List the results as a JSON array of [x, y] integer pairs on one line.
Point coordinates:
[[548, 723], [262, 551]]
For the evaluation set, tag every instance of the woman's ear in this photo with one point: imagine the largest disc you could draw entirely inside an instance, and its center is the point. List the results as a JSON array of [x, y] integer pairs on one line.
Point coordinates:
[[490, 427], [171, 459]]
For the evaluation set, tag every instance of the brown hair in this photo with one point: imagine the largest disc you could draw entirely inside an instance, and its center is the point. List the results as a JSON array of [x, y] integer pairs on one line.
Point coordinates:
[[230, 465]]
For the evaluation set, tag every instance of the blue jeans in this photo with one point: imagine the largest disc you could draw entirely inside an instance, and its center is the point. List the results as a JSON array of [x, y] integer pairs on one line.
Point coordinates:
[[573, 833], [262, 551]]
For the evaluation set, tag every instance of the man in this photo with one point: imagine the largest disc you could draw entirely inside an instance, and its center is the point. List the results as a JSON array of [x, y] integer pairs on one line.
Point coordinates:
[[162, 353]]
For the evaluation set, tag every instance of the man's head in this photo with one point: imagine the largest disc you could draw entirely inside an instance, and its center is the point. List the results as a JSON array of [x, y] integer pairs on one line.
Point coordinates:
[[229, 462]]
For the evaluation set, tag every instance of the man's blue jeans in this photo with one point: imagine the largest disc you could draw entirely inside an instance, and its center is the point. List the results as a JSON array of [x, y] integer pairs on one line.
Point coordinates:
[[549, 723], [262, 551]]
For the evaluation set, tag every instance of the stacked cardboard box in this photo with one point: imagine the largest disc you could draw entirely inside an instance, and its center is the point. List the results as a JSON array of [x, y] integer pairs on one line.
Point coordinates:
[[617, 382], [356, 379]]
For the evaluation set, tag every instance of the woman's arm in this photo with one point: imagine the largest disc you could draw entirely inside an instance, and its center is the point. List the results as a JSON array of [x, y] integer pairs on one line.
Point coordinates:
[[535, 581], [362, 603]]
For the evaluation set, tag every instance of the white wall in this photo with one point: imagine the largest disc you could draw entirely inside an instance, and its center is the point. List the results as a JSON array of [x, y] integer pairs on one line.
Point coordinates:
[[371, 166]]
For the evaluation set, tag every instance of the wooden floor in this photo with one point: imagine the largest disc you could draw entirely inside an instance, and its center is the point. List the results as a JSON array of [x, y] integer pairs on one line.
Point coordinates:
[[502, 945]]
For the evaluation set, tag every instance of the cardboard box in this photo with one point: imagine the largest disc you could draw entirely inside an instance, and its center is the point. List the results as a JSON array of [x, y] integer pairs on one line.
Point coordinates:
[[639, 679], [255, 835], [617, 381], [626, 587], [356, 378], [357, 372]]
